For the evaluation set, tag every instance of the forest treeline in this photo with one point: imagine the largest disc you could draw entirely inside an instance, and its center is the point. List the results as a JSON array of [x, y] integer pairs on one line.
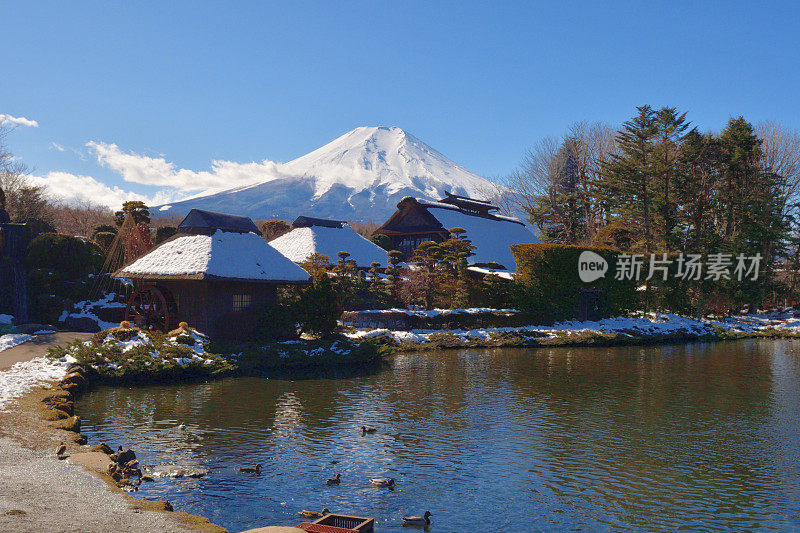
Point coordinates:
[[658, 184]]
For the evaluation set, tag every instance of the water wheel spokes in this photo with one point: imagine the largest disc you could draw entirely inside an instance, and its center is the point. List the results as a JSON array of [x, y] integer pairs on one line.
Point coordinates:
[[148, 307]]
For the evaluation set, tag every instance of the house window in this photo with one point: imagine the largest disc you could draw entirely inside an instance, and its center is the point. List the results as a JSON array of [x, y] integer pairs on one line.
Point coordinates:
[[240, 302], [410, 243]]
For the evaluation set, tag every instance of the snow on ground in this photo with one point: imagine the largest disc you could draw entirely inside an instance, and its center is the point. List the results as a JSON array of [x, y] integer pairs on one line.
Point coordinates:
[[12, 339], [84, 310], [431, 313], [26, 375], [125, 346], [640, 325]]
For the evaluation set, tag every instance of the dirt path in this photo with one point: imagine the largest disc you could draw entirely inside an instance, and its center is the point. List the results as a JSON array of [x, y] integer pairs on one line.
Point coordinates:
[[39, 493], [37, 347]]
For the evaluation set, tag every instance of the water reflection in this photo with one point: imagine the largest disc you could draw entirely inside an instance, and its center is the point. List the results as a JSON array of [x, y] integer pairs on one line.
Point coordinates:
[[702, 437]]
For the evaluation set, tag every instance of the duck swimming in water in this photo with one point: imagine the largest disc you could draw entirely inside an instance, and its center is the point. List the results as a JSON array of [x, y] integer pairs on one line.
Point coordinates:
[[251, 469], [334, 480], [382, 482], [365, 430], [314, 514], [418, 520]]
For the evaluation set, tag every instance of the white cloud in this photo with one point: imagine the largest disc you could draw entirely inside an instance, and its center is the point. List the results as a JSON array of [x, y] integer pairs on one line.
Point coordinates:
[[146, 170], [70, 187], [17, 121], [57, 146]]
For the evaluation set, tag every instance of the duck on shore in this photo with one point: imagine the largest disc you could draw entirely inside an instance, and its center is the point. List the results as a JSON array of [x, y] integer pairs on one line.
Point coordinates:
[[251, 469], [334, 480], [367, 431], [418, 520], [382, 482], [314, 514], [61, 451]]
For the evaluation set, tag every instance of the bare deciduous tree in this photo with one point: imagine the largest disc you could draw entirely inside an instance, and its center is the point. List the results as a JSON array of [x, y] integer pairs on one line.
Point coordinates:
[[80, 217], [365, 229], [780, 151], [23, 199], [535, 184]]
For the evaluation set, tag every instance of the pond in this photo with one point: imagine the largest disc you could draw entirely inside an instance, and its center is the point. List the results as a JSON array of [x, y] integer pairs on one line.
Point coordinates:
[[658, 438]]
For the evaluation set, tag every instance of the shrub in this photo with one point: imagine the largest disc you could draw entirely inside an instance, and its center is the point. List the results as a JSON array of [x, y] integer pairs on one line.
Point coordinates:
[[61, 271], [272, 229], [277, 322], [104, 239], [70, 257], [165, 232], [615, 235], [103, 228], [335, 351], [130, 354], [383, 241], [6, 294], [38, 227], [318, 307], [547, 282]]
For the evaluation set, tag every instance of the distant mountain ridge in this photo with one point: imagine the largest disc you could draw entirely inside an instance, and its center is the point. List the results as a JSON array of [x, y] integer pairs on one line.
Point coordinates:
[[362, 176]]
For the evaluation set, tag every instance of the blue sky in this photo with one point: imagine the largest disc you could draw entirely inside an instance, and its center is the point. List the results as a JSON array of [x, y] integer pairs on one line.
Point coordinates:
[[195, 82]]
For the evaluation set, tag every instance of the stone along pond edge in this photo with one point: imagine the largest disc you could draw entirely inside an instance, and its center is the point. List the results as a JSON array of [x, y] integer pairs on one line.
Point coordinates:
[[127, 355]]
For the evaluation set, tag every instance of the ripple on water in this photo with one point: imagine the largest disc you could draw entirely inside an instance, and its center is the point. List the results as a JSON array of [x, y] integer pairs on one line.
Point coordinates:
[[699, 438]]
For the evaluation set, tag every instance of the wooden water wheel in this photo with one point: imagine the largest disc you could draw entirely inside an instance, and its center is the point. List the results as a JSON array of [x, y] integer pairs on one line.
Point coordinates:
[[151, 307]]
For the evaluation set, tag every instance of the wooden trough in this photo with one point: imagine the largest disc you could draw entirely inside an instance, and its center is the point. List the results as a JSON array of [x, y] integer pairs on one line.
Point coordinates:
[[339, 523]]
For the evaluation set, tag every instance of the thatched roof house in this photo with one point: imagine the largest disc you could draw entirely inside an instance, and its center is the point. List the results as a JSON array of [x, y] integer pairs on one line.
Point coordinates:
[[217, 271], [416, 221], [327, 237]]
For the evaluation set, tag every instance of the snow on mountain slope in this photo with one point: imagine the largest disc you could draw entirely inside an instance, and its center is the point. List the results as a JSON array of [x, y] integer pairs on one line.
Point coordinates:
[[362, 175]]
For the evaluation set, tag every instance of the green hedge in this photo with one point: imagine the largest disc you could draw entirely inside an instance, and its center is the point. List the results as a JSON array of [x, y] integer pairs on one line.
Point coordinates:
[[6, 294], [71, 257], [547, 284], [61, 271]]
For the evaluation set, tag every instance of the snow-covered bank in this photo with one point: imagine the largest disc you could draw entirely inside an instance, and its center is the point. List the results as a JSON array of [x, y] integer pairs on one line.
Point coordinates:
[[122, 352], [89, 309], [432, 313], [23, 376], [13, 339], [643, 326]]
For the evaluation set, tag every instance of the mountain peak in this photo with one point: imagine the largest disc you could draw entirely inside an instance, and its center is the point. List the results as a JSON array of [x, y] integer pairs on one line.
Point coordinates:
[[360, 175]]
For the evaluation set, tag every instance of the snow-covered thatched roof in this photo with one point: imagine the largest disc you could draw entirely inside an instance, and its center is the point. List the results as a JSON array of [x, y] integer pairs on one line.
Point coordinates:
[[221, 256], [299, 243], [491, 235]]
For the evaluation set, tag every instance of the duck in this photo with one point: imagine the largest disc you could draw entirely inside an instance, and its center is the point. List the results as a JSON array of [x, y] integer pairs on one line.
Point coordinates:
[[382, 482], [334, 480], [251, 469], [365, 430], [61, 451], [314, 514], [418, 520], [181, 426]]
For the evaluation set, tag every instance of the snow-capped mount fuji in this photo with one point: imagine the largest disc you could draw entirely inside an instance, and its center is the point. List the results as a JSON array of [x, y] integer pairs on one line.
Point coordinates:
[[361, 176]]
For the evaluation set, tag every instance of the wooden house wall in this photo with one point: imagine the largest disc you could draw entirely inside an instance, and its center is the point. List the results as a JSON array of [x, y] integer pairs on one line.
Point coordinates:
[[227, 323], [208, 305]]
